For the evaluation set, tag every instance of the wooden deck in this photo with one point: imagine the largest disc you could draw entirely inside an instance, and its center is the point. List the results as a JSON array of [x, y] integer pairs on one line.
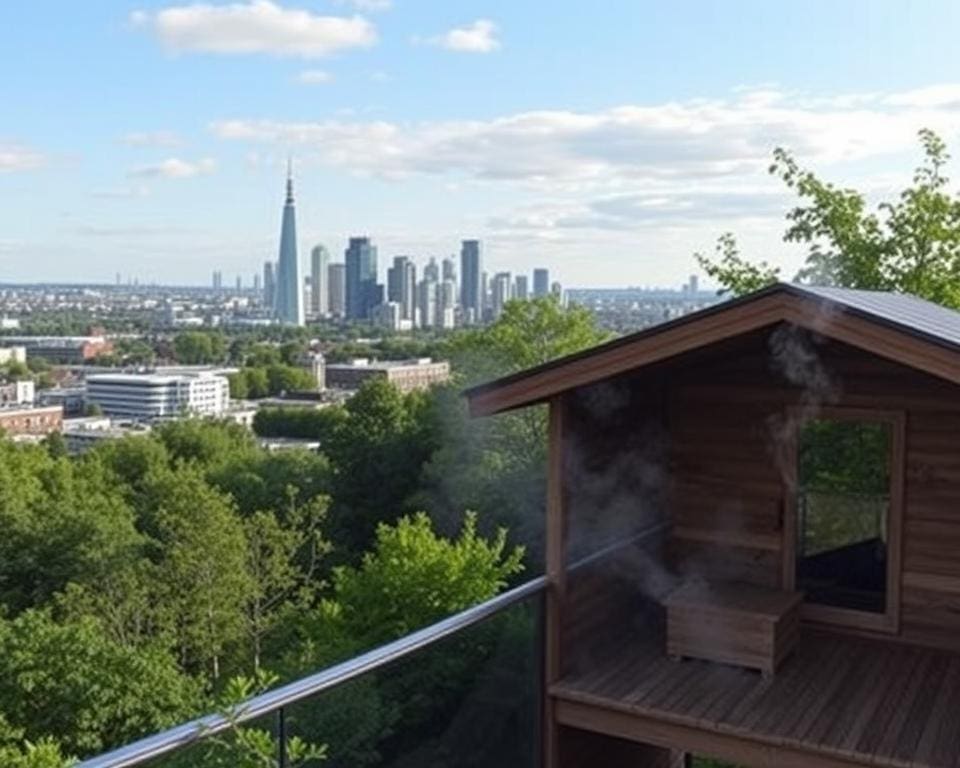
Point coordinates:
[[837, 701]]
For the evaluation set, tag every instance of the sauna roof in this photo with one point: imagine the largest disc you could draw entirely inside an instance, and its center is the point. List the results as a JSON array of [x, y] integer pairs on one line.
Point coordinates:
[[897, 326]]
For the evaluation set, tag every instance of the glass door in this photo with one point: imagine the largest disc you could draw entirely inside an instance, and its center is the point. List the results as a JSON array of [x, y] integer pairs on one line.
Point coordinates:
[[845, 502]]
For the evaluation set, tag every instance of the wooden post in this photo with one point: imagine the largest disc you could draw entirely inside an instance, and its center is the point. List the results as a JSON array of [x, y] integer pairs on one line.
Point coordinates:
[[556, 576]]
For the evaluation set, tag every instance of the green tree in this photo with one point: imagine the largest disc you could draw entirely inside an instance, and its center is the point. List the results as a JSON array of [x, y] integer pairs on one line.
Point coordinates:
[[193, 347], [910, 245], [257, 381], [377, 451], [286, 378], [498, 466], [71, 681], [239, 389], [16, 752], [413, 577], [318, 424], [201, 575], [15, 370], [528, 333], [282, 558], [199, 347], [210, 443], [61, 522]]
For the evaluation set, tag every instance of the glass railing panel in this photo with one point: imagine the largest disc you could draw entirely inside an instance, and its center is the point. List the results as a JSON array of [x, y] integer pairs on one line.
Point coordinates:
[[254, 744], [464, 691], [470, 700]]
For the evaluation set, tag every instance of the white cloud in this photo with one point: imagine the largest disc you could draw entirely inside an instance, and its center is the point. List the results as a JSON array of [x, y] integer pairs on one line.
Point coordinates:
[[314, 77], [257, 26], [18, 157], [697, 139], [151, 139], [946, 95], [174, 168], [478, 37], [368, 6]]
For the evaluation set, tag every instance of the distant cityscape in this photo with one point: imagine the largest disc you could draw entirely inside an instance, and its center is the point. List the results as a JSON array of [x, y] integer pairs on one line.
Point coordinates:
[[351, 290]]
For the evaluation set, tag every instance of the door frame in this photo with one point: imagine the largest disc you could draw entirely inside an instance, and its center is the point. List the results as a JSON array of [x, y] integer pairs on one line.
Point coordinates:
[[889, 620]]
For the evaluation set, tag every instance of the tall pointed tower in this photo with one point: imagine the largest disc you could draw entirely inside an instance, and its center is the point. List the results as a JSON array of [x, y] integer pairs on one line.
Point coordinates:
[[289, 298]]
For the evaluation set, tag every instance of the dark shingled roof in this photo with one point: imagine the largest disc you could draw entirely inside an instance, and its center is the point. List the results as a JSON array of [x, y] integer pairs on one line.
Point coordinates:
[[903, 312]]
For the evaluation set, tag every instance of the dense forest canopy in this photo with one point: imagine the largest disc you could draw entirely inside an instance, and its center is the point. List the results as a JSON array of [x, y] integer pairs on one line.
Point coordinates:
[[157, 577]]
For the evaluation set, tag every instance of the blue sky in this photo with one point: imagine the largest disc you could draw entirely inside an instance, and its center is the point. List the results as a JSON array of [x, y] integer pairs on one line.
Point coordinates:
[[608, 141]]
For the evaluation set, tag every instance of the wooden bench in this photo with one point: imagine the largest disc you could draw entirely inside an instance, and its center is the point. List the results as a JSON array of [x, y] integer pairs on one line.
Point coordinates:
[[733, 623]]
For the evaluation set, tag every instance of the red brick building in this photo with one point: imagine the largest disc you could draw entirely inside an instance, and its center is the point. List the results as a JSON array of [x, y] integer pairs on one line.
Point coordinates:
[[31, 421]]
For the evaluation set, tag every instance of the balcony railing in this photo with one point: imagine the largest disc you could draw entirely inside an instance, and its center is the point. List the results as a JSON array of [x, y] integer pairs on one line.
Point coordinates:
[[485, 662], [296, 709]]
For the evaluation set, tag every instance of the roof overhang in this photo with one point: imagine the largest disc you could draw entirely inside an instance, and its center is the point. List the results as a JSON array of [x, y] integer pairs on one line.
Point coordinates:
[[776, 304]]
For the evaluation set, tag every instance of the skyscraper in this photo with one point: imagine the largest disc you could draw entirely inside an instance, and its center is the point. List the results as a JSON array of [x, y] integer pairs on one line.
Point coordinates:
[[402, 286], [521, 289], [427, 302], [471, 288], [319, 298], [449, 269], [289, 300], [337, 294], [269, 284], [362, 291], [432, 271], [500, 292], [541, 282]]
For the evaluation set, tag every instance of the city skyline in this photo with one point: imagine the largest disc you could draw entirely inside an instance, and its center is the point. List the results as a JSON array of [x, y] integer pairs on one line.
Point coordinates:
[[605, 175]]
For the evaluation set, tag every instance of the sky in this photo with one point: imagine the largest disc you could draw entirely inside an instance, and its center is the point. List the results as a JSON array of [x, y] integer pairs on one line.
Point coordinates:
[[606, 141]]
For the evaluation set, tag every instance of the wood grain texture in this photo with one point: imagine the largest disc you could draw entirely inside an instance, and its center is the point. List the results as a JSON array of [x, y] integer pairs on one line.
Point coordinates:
[[838, 701]]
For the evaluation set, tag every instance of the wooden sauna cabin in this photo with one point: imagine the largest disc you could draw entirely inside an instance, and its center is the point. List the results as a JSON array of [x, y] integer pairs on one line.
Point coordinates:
[[753, 535]]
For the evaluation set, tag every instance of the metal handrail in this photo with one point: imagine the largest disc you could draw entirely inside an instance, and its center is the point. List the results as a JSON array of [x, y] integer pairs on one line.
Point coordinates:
[[182, 735]]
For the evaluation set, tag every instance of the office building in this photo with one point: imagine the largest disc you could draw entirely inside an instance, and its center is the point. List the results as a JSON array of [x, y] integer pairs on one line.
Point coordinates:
[[269, 284], [70, 399], [449, 269], [362, 290], [432, 270], [541, 283], [61, 349], [447, 304], [82, 434], [337, 293], [402, 286], [319, 294], [427, 303], [521, 288], [500, 293], [387, 315], [556, 290], [289, 297], [406, 375], [471, 281], [148, 396]]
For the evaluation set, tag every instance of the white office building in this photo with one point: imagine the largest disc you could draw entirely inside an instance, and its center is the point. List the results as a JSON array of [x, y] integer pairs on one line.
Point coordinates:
[[148, 396]]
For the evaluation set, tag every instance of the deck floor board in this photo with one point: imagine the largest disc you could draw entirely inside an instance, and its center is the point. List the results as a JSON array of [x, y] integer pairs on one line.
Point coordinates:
[[862, 700]]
